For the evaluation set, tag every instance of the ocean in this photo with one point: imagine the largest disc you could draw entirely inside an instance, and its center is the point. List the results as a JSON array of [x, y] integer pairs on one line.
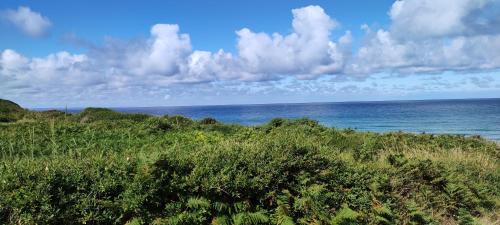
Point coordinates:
[[465, 116]]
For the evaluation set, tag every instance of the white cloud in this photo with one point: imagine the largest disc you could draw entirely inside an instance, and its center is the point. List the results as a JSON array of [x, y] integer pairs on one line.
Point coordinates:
[[29, 22], [207, 66], [433, 36], [444, 18], [167, 50], [167, 57], [382, 52], [306, 51], [61, 66], [11, 62], [61, 72], [423, 37]]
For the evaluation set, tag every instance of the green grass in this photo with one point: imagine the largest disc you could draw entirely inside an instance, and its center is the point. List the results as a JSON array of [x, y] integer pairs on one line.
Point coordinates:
[[10, 111], [104, 167]]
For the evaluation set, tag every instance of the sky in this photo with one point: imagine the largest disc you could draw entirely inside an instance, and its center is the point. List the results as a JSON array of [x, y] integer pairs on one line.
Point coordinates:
[[166, 53]]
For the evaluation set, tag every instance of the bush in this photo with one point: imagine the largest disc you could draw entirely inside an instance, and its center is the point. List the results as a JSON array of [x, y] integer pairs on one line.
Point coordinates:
[[46, 115], [208, 121], [89, 115], [104, 167], [156, 124], [179, 121], [95, 114], [276, 122], [7, 118], [345, 216]]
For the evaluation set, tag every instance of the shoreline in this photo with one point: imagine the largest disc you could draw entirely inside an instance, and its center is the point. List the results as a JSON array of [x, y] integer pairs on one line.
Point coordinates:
[[142, 169]]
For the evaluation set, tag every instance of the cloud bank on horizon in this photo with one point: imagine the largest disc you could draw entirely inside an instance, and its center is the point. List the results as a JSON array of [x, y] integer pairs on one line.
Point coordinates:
[[424, 36]]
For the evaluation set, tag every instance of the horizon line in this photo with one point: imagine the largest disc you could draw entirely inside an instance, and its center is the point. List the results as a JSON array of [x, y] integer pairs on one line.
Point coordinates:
[[276, 103]]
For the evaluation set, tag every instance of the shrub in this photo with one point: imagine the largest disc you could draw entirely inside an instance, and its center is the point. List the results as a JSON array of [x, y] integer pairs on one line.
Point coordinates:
[[96, 114], [156, 124], [114, 168], [179, 121], [345, 216], [207, 121], [276, 122], [46, 115], [90, 115]]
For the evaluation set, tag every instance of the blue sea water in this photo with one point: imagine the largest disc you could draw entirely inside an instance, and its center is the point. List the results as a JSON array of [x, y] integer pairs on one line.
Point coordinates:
[[467, 116]]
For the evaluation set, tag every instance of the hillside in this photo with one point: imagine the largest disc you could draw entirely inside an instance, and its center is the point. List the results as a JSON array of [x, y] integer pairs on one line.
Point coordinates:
[[104, 167], [10, 111]]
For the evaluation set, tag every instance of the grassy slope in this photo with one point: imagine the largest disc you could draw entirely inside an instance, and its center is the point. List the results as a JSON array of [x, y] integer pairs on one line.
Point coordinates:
[[10, 111], [104, 167]]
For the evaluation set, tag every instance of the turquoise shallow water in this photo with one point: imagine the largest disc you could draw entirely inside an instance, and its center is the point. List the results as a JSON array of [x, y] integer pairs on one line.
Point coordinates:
[[468, 116]]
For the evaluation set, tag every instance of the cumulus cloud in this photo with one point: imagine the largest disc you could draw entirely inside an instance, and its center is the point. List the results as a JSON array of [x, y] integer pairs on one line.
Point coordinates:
[[59, 70], [166, 51], [167, 57], [383, 52], [29, 22], [11, 62], [308, 50], [428, 36], [444, 18], [423, 37]]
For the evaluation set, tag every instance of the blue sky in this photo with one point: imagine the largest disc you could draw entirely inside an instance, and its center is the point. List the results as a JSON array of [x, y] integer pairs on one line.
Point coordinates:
[[210, 24], [124, 53]]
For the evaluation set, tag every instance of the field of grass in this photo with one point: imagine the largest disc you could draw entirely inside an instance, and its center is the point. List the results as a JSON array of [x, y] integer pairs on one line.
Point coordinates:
[[104, 167]]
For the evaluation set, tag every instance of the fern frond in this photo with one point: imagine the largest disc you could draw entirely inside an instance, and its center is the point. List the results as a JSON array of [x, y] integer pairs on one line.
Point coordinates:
[[198, 203], [250, 218], [221, 220]]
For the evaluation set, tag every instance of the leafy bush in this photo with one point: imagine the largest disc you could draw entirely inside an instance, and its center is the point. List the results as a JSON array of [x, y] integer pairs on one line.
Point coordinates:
[[345, 216], [103, 167], [46, 115], [90, 115], [156, 124], [208, 121], [179, 121]]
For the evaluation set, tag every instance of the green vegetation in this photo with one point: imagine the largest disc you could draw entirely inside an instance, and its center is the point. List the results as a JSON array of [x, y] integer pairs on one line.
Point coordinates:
[[10, 111], [103, 167]]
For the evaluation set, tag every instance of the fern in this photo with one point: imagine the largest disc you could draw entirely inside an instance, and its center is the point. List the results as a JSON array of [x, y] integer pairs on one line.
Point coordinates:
[[221, 208], [282, 217], [250, 218], [345, 216], [384, 215], [282, 213], [135, 221], [198, 203], [220, 220], [314, 204], [240, 207], [417, 216], [464, 217]]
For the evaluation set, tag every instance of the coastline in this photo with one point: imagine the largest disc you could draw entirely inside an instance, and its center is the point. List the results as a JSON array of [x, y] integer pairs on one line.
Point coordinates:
[[471, 116], [101, 166]]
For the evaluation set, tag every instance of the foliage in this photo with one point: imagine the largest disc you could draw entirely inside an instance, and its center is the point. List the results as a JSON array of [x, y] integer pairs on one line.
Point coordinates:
[[10, 111], [345, 216], [104, 167], [208, 120]]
